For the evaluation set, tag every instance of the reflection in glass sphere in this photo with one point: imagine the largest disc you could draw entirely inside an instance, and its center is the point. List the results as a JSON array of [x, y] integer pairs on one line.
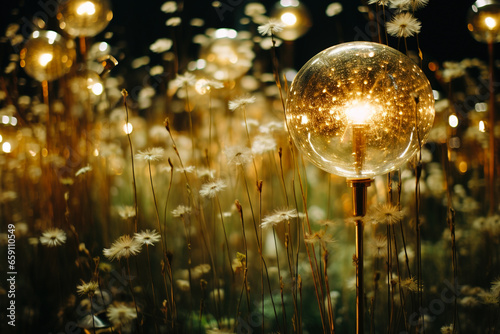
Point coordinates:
[[47, 55], [484, 21], [354, 109], [227, 56], [84, 17], [295, 16]]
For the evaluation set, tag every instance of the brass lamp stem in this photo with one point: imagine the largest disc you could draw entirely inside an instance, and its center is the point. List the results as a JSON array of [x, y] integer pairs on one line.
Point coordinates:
[[359, 200], [359, 146]]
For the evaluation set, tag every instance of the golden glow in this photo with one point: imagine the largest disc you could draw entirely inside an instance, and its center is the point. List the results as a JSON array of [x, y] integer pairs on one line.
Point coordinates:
[[490, 22], [1, 138], [462, 167], [128, 128], [359, 113], [453, 121], [6, 147], [482, 127], [97, 88], [289, 19], [45, 58], [86, 8], [96, 152]]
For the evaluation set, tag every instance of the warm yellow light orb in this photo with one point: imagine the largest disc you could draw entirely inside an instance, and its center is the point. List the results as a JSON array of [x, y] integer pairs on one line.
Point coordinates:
[[227, 56], [128, 128], [483, 19], [359, 109], [47, 55], [295, 16], [453, 121], [84, 17], [6, 147]]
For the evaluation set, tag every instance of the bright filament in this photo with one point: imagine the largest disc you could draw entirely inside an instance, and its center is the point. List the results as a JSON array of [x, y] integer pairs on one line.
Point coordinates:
[[86, 8], [45, 58], [359, 113], [289, 19], [490, 22]]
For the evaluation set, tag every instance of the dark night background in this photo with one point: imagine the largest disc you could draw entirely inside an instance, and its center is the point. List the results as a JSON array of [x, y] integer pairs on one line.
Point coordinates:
[[137, 24]]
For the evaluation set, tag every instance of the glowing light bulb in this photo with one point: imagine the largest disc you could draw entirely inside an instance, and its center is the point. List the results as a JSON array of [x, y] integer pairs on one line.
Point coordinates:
[[45, 58], [483, 19], [490, 22], [86, 8], [288, 19], [128, 128], [97, 88], [453, 121], [482, 127], [360, 121], [6, 147], [1, 138], [359, 113]]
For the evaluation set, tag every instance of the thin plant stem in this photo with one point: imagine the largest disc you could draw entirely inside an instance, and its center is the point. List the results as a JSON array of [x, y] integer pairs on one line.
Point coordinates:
[[152, 287], [125, 94], [225, 236]]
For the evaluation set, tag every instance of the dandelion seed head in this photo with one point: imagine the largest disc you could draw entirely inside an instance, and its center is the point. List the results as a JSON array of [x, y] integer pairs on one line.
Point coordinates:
[[403, 25], [181, 210], [271, 27], [126, 211], [262, 144], [186, 79], [87, 288], [211, 189], [279, 216], [121, 314], [151, 154], [241, 102], [387, 214], [238, 155], [123, 247]]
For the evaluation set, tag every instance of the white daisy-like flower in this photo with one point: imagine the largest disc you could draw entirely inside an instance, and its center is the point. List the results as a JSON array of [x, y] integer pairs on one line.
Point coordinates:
[[279, 216], [186, 79], [126, 211], [403, 25], [211, 189], [379, 246], [169, 7], [87, 288], [238, 155], [333, 9], [271, 27], [83, 170], [241, 102], [181, 210], [53, 237], [151, 154], [173, 22], [123, 247], [121, 314], [147, 237], [161, 45], [262, 144]]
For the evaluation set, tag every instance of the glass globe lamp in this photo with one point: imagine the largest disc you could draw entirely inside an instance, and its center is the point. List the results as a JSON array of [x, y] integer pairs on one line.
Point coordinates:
[[47, 56], [295, 16], [227, 56], [359, 109], [84, 18], [484, 21]]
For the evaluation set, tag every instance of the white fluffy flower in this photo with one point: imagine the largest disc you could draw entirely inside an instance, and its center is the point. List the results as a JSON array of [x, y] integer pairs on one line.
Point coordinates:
[[241, 102], [271, 27], [211, 189], [403, 25]]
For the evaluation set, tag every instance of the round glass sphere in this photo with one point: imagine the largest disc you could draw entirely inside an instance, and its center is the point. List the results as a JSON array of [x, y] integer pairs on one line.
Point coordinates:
[[484, 21], [226, 56], [295, 16], [359, 109], [47, 55], [84, 17]]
